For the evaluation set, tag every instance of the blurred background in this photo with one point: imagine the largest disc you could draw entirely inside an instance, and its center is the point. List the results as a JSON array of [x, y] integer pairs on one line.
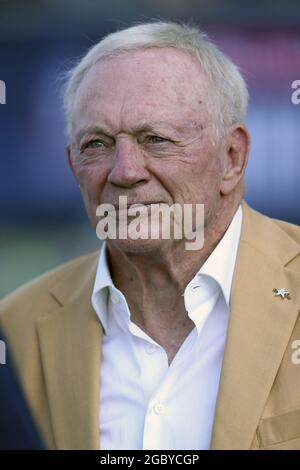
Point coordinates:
[[42, 218]]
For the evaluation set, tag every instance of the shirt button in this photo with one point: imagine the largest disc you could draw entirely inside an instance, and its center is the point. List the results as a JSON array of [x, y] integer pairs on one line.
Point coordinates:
[[151, 348], [115, 298], [159, 408]]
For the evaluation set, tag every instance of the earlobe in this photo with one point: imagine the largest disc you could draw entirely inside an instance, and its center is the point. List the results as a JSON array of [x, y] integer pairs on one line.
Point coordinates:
[[68, 154], [70, 162], [69, 159], [236, 158]]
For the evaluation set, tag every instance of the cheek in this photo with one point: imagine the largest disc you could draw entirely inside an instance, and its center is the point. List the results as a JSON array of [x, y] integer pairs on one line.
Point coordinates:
[[195, 178], [91, 181], [208, 168]]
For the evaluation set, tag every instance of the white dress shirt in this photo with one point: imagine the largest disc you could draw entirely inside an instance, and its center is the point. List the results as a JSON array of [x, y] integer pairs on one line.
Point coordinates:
[[144, 402]]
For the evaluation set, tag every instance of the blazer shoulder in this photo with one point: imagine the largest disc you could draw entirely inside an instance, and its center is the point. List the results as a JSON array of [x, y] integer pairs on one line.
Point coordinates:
[[34, 298], [266, 225], [290, 229], [276, 238]]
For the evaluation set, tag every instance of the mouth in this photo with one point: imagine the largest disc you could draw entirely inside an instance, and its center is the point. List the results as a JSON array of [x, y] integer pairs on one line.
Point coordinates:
[[136, 204]]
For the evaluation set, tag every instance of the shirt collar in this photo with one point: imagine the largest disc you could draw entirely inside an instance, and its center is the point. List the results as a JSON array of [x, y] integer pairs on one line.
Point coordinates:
[[214, 277], [100, 293], [221, 262]]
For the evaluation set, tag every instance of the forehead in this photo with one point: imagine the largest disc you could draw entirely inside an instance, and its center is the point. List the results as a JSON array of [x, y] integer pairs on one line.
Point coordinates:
[[147, 84]]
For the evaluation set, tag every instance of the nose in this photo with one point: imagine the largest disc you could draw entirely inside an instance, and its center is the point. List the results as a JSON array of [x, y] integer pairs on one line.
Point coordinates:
[[129, 165]]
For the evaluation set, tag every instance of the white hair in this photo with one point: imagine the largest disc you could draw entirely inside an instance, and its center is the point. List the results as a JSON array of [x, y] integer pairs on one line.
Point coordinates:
[[230, 96]]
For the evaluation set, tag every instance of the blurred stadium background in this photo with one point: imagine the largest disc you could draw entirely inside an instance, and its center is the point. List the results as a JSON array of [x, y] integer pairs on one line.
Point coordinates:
[[42, 218]]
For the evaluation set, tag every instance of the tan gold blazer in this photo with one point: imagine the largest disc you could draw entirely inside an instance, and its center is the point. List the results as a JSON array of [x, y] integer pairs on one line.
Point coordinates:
[[55, 338]]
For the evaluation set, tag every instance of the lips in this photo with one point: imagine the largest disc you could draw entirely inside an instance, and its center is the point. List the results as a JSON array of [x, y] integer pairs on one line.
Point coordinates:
[[137, 203]]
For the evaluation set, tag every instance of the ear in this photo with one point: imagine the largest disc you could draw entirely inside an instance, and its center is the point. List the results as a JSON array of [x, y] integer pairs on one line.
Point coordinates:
[[237, 150], [69, 158], [68, 155]]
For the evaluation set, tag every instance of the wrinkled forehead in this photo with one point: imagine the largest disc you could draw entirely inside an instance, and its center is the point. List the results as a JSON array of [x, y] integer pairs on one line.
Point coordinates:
[[154, 82]]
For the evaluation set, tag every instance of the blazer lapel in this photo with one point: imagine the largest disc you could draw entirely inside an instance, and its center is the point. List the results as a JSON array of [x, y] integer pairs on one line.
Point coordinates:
[[260, 326], [70, 342]]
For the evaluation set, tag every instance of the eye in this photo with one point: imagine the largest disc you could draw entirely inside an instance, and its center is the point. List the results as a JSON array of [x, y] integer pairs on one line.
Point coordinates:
[[94, 144], [155, 139]]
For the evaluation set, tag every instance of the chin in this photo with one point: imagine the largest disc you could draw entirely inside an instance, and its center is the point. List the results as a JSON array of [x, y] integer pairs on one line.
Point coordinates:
[[138, 246]]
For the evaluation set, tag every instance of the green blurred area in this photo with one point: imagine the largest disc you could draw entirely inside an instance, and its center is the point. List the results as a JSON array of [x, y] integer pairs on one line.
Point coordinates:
[[26, 251]]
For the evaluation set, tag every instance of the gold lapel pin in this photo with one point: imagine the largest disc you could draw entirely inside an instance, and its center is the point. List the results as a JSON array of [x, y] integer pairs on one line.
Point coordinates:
[[283, 293]]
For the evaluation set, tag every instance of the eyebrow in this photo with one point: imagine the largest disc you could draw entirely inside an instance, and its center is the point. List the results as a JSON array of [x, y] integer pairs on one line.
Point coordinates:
[[147, 126], [91, 130], [151, 126]]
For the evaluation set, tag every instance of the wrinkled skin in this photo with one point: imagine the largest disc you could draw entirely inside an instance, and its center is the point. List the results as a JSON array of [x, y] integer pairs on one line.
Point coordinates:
[[144, 126]]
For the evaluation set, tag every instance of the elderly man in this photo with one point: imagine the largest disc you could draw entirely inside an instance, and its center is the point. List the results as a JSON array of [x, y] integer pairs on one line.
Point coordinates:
[[153, 346]]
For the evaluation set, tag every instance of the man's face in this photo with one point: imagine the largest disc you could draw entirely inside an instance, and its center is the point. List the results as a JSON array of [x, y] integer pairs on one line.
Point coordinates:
[[143, 127]]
